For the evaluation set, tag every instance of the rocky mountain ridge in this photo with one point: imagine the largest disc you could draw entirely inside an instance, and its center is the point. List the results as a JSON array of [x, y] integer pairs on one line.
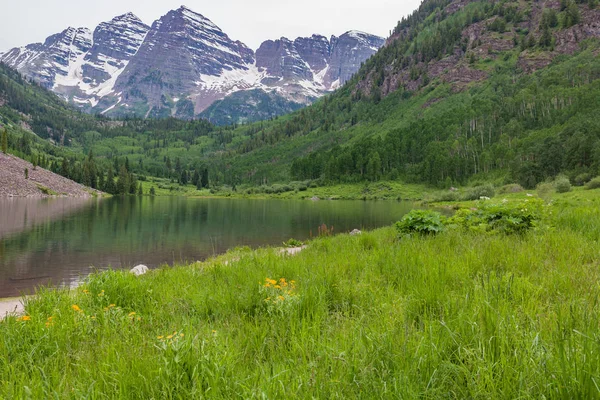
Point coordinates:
[[183, 63]]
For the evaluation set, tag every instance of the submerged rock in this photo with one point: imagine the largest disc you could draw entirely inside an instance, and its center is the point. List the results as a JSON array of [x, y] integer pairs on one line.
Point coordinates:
[[139, 270]]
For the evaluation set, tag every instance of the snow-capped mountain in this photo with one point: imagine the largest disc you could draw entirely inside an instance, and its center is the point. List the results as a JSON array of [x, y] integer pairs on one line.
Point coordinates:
[[183, 63]]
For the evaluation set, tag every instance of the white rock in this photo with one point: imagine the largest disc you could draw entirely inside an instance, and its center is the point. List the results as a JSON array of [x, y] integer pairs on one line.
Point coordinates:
[[139, 270], [355, 232]]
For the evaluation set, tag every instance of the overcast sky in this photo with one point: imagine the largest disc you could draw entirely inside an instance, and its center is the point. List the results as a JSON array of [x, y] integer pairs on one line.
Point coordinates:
[[251, 21]]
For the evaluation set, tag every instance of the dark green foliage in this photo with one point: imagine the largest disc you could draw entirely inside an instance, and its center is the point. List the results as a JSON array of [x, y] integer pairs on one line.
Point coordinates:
[[152, 191], [593, 184], [506, 218], [546, 38], [562, 184], [510, 188], [293, 243], [549, 19], [476, 193], [571, 15], [204, 179], [422, 222], [248, 106], [582, 179], [498, 25], [4, 141]]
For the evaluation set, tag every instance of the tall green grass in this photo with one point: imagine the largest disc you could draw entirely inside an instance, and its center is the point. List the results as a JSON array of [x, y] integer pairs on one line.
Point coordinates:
[[458, 315]]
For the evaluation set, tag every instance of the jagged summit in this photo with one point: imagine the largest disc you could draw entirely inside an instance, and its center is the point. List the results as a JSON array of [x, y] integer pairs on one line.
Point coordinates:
[[182, 63]]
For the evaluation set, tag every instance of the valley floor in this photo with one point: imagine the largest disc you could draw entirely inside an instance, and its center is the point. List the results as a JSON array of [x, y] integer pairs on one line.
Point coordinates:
[[460, 314]]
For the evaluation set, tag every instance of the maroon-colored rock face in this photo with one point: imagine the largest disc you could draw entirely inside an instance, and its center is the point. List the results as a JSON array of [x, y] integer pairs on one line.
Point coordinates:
[[127, 67]]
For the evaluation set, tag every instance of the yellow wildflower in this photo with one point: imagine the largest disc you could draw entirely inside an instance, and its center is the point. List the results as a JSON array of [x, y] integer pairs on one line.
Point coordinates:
[[131, 314], [277, 287], [85, 291], [76, 308], [281, 298], [170, 337], [181, 334], [24, 318], [160, 337], [111, 305]]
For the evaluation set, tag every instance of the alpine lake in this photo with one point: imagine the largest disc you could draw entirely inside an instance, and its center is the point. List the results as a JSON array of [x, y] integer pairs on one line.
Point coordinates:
[[59, 241]]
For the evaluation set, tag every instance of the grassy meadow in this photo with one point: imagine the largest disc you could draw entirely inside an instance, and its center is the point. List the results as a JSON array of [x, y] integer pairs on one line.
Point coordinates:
[[383, 190], [460, 314]]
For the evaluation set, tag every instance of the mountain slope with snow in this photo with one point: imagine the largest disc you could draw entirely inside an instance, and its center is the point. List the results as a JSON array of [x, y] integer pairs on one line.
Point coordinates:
[[183, 63]]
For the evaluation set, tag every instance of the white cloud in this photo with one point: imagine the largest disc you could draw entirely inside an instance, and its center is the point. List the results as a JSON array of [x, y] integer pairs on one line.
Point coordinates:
[[248, 21]]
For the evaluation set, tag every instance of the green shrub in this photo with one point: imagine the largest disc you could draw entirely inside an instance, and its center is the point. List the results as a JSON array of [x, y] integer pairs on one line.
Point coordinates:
[[293, 243], [507, 218], [447, 195], [545, 191], [423, 222], [593, 184], [478, 192], [562, 184], [582, 179], [510, 188]]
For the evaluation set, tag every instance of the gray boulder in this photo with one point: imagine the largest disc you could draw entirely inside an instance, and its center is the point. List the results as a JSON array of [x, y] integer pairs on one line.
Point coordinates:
[[139, 270]]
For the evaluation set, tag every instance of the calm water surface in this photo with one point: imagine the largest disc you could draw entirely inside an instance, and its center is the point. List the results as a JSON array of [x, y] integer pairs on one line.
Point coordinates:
[[60, 241]]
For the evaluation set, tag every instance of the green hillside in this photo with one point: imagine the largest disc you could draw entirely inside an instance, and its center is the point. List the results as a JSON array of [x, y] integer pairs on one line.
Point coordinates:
[[463, 92]]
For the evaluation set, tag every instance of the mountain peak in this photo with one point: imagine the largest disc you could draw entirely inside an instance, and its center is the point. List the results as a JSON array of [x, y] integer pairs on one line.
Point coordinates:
[[195, 18], [127, 17]]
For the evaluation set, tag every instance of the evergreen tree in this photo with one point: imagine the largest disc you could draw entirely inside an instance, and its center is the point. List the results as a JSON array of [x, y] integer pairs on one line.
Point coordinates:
[[204, 179], [374, 167], [65, 169], [140, 191], [123, 182], [195, 178], [183, 178], [152, 191], [133, 184], [546, 38], [4, 141], [109, 186]]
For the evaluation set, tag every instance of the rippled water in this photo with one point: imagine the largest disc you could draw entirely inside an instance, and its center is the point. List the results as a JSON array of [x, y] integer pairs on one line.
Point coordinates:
[[60, 241]]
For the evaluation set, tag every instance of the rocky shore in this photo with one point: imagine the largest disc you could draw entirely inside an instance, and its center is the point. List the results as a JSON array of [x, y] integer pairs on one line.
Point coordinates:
[[38, 182]]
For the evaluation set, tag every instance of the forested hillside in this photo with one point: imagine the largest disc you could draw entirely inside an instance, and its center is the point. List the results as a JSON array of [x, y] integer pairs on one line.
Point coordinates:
[[463, 91]]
